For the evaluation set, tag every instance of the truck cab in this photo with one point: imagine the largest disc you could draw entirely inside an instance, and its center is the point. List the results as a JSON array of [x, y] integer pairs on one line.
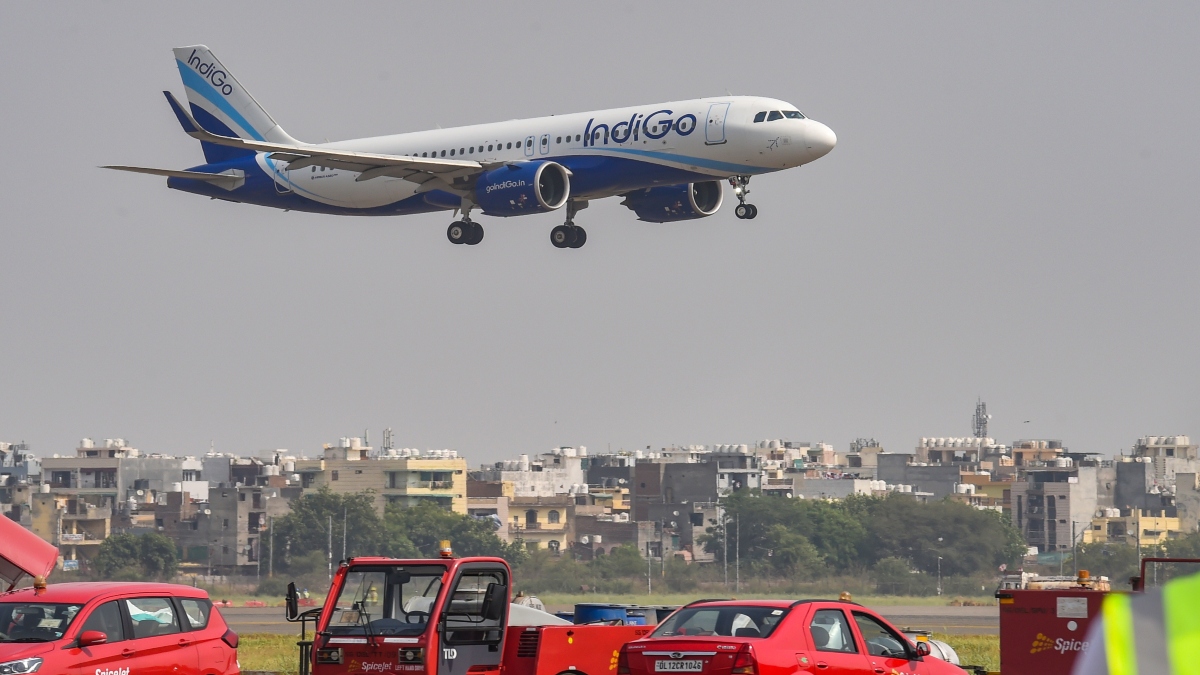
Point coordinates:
[[441, 616]]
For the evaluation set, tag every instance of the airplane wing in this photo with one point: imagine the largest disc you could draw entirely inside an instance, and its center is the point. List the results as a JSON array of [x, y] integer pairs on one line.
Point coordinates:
[[230, 180], [431, 173]]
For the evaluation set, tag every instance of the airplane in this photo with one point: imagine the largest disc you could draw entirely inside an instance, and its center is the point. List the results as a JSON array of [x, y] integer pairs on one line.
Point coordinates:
[[668, 160]]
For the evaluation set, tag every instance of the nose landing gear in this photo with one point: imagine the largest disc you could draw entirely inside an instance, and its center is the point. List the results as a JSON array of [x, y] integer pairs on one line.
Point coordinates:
[[741, 188], [570, 235]]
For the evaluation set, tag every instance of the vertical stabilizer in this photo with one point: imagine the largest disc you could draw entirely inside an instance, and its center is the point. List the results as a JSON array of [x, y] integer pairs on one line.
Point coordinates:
[[221, 105]]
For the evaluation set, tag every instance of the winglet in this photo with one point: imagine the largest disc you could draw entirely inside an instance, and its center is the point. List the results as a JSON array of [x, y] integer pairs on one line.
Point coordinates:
[[189, 125]]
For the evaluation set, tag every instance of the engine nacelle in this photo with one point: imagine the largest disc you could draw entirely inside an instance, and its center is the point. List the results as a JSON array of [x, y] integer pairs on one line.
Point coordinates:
[[523, 187], [676, 202]]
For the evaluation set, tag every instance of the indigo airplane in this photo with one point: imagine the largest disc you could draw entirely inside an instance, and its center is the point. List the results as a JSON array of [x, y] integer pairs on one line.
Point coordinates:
[[669, 161]]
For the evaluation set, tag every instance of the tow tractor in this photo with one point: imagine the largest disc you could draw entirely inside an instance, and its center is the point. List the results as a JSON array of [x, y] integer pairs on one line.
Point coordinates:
[[444, 616]]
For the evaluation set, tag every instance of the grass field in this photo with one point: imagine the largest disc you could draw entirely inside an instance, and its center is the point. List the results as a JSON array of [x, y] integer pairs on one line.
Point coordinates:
[[279, 653]]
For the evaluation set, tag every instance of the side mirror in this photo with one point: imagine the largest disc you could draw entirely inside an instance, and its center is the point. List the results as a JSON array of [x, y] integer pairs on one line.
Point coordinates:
[[922, 649], [292, 602], [493, 602], [92, 637]]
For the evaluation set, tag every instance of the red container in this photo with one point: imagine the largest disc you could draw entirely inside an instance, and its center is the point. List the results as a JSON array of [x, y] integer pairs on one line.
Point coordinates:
[[1044, 631]]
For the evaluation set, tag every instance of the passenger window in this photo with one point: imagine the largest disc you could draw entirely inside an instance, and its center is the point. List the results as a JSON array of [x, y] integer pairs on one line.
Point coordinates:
[[461, 151], [152, 616], [760, 116], [577, 137], [545, 140], [472, 149], [424, 154], [314, 169], [443, 153], [831, 633], [489, 147], [451, 152], [881, 641], [529, 142], [775, 115], [793, 114], [509, 146], [107, 619], [196, 611], [558, 140]]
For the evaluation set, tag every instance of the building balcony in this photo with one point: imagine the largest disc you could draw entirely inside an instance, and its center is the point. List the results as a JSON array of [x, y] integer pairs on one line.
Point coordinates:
[[90, 513]]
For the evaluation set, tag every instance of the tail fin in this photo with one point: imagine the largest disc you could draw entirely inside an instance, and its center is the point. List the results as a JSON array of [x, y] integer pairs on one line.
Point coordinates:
[[221, 105]]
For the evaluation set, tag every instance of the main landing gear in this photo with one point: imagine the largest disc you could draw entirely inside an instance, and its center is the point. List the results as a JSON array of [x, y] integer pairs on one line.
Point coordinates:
[[570, 235], [741, 188], [465, 231]]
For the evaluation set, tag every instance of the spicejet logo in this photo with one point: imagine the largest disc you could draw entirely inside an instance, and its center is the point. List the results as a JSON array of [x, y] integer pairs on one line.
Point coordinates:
[[211, 72], [112, 671], [1043, 643]]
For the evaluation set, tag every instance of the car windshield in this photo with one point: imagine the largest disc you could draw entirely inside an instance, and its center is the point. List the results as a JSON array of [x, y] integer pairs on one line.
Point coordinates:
[[35, 621], [726, 620], [386, 600]]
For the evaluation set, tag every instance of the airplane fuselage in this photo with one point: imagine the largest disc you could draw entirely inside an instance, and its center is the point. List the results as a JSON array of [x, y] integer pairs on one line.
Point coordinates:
[[608, 152]]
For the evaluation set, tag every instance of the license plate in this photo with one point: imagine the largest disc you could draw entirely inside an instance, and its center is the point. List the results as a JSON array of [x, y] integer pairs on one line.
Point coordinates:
[[679, 666]]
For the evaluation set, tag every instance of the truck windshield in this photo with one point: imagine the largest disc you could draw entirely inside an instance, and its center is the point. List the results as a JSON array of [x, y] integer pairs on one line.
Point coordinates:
[[35, 621], [726, 620], [386, 601]]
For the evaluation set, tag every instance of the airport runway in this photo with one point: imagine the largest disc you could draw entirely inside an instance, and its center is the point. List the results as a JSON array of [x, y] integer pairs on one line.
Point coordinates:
[[957, 620]]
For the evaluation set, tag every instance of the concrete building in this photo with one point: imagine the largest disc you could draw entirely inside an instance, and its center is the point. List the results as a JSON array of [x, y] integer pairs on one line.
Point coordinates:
[[902, 469], [491, 500], [76, 524], [1134, 527], [543, 522], [1052, 505], [403, 477], [552, 473]]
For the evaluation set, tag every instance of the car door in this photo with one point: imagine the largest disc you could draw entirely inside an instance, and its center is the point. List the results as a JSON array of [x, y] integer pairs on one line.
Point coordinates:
[[468, 638], [836, 651], [161, 646], [114, 655], [211, 652], [887, 650]]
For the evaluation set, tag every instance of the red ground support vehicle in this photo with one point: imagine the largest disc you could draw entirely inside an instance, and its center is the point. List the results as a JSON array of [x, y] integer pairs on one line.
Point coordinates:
[[447, 616], [777, 637], [114, 629]]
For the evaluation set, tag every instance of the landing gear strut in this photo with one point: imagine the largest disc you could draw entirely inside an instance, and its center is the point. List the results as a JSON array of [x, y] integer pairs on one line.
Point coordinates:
[[741, 188], [465, 231], [570, 235]]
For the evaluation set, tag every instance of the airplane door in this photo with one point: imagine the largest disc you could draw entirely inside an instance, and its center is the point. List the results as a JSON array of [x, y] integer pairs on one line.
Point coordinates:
[[714, 129], [544, 144], [529, 146], [470, 640]]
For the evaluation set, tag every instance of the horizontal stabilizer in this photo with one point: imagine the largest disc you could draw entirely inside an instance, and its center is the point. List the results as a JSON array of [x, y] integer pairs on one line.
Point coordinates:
[[230, 180]]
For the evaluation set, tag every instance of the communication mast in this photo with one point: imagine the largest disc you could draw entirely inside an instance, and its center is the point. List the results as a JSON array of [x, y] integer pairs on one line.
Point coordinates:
[[981, 419], [387, 439]]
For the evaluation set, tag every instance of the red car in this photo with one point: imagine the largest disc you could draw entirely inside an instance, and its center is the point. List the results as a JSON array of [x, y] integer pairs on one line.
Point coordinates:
[[777, 637], [114, 629]]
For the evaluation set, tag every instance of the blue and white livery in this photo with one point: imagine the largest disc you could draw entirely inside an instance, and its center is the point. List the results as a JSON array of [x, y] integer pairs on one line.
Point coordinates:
[[667, 160]]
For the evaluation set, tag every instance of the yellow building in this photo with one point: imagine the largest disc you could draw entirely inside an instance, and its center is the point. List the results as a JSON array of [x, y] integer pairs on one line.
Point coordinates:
[[1123, 527], [543, 522], [404, 480]]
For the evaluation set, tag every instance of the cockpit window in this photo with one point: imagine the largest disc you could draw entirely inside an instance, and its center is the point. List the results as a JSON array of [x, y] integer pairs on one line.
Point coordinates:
[[775, 115], [760, 116], [793, 114]]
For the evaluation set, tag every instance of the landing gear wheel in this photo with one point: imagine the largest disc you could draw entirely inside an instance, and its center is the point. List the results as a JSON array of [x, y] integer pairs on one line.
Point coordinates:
[[563, 236], [581, 237], [742, 211], [475, 235], [459, 232], [753, 212]]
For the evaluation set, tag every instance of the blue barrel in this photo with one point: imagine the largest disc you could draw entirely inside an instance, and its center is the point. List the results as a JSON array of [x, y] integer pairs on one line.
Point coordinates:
[[590, 612], [635, 616], [568, 616]]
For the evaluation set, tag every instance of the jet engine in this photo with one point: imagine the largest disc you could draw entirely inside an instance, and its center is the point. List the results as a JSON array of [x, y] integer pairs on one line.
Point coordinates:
[[523, 187], [676, 202]]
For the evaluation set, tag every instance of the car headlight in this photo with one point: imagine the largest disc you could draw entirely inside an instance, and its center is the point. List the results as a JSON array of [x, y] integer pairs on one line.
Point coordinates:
[[29, 665]]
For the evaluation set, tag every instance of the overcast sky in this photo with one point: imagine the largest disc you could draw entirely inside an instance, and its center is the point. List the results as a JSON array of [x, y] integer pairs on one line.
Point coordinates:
[[1010, 212]]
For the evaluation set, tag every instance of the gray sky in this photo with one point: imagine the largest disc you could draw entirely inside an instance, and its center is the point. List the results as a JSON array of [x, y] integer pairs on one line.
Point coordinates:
[[1010, 213]]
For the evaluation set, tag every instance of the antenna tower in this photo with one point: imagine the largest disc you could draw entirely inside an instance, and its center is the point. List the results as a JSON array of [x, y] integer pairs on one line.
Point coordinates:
[[981, 419]]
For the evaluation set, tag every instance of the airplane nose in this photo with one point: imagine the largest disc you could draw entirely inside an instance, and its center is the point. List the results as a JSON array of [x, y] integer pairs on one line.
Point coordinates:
[[819, 138]]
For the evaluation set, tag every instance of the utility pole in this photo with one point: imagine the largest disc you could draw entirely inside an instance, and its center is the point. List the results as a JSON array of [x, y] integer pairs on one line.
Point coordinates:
[[737, 553], [271, 538], [724, 544], [330, 549], [345, 515], [649, 570]]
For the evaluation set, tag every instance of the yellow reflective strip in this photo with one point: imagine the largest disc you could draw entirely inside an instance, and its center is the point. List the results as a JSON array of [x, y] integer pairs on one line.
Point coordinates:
[[1181, 608], [1118, 635]]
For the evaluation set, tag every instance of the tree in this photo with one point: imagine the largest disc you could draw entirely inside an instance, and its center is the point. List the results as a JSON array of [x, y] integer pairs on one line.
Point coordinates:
[[132, 557], [418, 531], [306, 529]]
